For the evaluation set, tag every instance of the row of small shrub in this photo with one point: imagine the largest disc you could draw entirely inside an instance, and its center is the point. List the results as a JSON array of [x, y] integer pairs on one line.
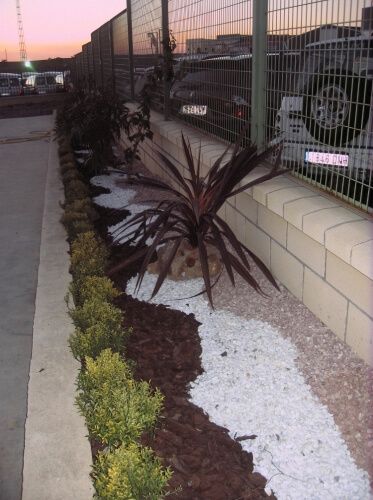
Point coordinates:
[[117, 408]]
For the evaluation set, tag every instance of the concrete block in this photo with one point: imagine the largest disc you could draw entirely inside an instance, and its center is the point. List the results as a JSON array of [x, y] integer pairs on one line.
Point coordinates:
[[361, 258], [352, 283], [317, 223], [231, 217], [294, 211], [277, 199], [261, 191], [359, 334], [258, 242], [272, 224], [247, 206], [340, 240], [325, 302], [287, 269], [306, 249]]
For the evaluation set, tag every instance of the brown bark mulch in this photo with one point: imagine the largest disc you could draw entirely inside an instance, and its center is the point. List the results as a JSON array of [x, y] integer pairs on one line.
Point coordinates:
[[165, 345]]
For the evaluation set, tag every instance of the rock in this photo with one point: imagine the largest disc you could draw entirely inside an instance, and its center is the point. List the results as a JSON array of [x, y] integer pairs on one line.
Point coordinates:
[[186, 263]]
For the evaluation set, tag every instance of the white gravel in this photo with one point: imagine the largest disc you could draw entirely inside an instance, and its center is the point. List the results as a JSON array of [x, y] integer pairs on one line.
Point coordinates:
[[118, 198], [251, 385]]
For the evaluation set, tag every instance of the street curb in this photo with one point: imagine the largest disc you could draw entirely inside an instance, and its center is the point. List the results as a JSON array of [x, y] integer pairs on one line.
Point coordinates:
[[57, 457]]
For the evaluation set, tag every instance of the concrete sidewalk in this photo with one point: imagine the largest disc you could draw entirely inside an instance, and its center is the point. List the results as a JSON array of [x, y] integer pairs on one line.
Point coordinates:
[[56, 456]]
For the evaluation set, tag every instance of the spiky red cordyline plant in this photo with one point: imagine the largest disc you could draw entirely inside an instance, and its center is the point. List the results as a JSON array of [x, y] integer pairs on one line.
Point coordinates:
[[191, 213]]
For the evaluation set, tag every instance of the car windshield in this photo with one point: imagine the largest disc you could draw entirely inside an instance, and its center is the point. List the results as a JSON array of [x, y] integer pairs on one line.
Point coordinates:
[[50, 80], [40, 80], [14, 82], [3, 82]]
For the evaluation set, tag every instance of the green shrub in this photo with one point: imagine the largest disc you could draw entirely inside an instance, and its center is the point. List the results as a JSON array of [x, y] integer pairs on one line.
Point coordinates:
[[98, 326], [67, 158], [94, 311], [71, 175], [66, 167], [83, 205], [64, 149], [75, 190], [130, 473], [116, 413], [88, 256], [94, 287], [76, 223], [107, 370], [93, 340]]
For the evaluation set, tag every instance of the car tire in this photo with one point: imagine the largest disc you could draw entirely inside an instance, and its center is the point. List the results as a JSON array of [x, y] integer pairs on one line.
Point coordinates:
[[336, 108]]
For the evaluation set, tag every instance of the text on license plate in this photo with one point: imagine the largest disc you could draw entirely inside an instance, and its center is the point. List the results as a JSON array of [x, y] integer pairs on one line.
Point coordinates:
[[327, 158], [194, 109]]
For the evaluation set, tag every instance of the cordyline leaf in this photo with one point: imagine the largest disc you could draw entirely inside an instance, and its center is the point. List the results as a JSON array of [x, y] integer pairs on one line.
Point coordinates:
[[191, 214], [164, 271], [205, 267]]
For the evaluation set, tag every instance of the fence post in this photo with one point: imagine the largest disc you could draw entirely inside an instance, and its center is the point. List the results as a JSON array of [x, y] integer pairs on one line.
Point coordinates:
[[165, 40], [258, 75], [130, 48]]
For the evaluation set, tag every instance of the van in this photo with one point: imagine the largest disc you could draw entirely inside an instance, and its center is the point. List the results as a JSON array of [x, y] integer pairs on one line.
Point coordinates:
[[43, 83], [10, 84]]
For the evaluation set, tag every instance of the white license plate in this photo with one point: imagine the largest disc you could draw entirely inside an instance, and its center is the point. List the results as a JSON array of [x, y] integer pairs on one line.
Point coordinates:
[[327, 158], [194, 109]]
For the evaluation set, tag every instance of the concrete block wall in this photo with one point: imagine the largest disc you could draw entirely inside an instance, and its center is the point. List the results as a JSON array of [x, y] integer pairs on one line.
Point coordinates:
[[317, 247]]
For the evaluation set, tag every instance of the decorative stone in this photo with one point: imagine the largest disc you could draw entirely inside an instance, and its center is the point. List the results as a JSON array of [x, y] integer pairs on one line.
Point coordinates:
[[186, 263]]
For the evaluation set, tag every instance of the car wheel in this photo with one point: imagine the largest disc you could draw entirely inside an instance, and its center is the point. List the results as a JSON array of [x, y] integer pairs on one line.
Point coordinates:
[[336, 108]]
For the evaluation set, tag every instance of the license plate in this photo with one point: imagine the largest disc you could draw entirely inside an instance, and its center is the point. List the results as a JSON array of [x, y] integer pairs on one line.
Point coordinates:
[[327, 158], [194, 109]]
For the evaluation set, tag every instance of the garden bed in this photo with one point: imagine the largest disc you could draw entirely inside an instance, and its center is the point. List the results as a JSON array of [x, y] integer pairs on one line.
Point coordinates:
[[160, 354]]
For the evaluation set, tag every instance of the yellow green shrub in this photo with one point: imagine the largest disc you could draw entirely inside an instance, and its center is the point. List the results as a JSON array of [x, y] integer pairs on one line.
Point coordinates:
[[130, 473], [116, 413], [75, 190], [88, 256], [71, 175], [94, 287], [66, 167]]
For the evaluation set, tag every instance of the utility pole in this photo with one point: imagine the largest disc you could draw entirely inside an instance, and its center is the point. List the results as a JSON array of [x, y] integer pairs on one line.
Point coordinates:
[[21, 36]]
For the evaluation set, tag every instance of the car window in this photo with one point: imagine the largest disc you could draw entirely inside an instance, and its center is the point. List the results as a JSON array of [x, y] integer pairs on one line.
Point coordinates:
[[14, 82], [3, 82], [40, 80], [50, 80]]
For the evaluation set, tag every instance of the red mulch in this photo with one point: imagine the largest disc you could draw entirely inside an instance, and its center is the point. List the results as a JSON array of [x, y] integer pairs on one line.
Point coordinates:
[[207, 463]]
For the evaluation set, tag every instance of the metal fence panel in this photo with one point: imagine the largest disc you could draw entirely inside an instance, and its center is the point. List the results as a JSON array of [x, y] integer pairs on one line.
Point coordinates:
[[106, 55], [97, 64], [325, 116], [121, 55]]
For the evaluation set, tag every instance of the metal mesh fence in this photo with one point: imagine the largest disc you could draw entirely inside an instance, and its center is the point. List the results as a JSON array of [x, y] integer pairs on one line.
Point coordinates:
[[121, 55], [212, 83], [325, 116], [106, 55], [298, 72]]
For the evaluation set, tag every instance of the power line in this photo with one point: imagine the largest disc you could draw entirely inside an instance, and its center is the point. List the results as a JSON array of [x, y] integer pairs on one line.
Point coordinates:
[[21, 36]]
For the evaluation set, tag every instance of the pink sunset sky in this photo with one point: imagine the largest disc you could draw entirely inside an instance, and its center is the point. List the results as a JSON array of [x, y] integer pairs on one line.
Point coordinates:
[[52, 28]]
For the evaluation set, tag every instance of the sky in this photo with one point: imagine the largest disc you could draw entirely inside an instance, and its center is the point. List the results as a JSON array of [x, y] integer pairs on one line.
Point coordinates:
[[52, 28]]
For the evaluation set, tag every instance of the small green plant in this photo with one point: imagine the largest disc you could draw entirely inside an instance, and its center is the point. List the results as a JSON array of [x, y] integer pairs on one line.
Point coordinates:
[[71, 174], [130, 473], [107, 370], [75, 190], [78, 217], [88, 256], [98, 326], [94, 287], [67, 158], [66, 167], [94, 311], [114, 413]]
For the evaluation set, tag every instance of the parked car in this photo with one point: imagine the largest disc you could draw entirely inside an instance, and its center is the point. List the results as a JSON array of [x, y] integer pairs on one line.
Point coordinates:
[[10, 84], [44, 83], [215, 93], [328, 120]]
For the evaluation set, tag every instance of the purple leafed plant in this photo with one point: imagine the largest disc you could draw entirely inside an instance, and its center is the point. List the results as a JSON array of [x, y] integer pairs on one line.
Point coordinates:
[[191, 213]]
